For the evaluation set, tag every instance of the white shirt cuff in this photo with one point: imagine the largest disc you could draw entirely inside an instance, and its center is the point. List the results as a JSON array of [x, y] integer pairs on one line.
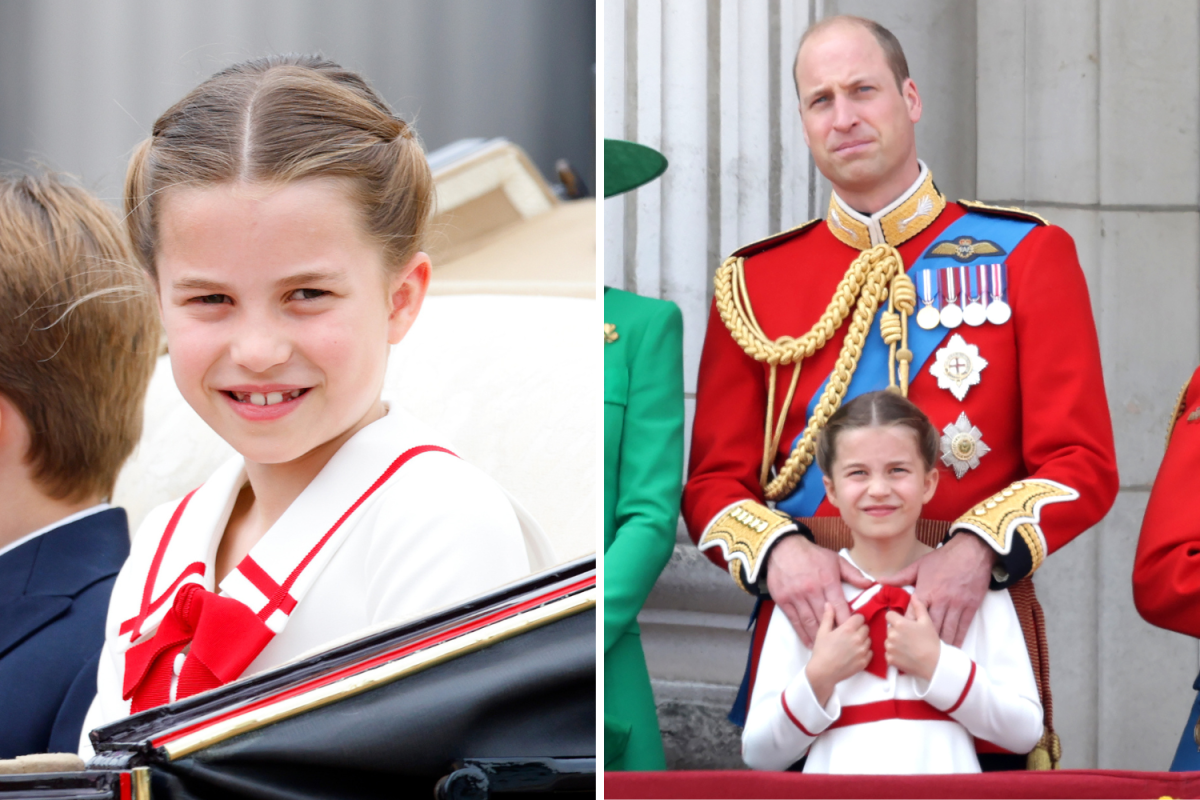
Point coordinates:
[[801, 701], [951, 679]]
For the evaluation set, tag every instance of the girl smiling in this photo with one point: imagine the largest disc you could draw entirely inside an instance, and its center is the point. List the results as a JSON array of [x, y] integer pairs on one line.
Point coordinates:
[[280, 208], [881, 693]]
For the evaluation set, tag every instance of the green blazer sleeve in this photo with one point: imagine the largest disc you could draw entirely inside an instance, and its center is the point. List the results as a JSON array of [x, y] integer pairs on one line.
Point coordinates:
[[643, 451]]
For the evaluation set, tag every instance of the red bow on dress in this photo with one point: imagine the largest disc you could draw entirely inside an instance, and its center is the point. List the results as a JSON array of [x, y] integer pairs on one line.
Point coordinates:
[[225, 636], [888, 598]]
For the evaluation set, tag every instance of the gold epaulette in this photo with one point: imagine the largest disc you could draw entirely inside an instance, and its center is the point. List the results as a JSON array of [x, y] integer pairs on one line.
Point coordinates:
[[1180, 407], [1004, 211], [774, 239], [744, 533], [1016, 511]]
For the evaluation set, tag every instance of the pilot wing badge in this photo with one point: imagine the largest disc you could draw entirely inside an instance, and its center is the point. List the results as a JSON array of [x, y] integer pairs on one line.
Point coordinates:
[[965, 248]]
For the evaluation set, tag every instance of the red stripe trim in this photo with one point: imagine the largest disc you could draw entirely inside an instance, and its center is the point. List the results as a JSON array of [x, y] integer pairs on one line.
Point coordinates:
[[888, 709], [967, 688], [383, 658], [147, 607], [252, 571], [195, 568], [126, 785], [984, 746], [277, 599], [792, 717]]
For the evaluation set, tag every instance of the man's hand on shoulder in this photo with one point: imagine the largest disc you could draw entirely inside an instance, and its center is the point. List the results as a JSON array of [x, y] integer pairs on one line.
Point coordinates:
[[952, 582], [802, 577]]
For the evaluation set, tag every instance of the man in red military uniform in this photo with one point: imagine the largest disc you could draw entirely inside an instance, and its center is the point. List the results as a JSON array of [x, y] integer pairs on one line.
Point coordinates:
[[1166, 583], [993, 338]]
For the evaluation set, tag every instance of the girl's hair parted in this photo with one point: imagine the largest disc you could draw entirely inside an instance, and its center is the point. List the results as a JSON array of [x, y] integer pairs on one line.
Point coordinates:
[[882, 408], [279, 119]]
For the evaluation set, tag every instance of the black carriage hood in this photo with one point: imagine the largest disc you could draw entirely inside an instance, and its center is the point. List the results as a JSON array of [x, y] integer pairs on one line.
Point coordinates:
[[519, 707]]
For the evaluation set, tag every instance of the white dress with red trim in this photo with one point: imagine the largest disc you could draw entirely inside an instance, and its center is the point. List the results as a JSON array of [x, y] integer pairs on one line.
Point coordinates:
[[894, 723], [394, 526]]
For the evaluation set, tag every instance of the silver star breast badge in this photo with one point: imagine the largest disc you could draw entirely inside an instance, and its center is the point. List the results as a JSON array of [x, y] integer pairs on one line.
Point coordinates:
[[957, 366], [962, 446]]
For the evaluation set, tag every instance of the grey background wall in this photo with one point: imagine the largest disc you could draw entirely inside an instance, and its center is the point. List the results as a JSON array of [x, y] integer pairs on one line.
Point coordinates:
[[1085, 111], [82, 81]]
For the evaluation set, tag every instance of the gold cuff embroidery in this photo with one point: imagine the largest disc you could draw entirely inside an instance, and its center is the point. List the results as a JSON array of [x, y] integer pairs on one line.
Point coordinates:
[[1016, 511], [735, 569], [744, 533], [1032, 536]]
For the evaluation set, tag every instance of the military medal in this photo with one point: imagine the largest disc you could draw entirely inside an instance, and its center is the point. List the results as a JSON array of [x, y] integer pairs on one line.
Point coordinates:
[[957, 366], [998, 311], [962, 446], [951, 314], [928, 317], [974, 314]]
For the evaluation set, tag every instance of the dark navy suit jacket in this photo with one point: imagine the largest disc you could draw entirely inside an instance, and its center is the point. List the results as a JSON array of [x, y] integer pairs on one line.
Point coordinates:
[[53, 601]]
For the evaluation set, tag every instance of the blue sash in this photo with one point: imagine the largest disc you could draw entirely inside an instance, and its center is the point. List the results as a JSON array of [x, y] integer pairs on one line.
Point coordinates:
[[1187, 754], [872, 372]]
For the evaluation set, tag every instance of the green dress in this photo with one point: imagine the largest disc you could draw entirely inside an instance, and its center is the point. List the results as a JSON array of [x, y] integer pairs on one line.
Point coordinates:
[[643, 473]]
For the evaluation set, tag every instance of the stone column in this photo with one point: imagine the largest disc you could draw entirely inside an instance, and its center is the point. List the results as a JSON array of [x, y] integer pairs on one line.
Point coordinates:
[[1087, 114], [709, 84]]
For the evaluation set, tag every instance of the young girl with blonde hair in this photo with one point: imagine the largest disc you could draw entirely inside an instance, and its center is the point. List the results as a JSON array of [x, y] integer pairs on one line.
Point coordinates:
[[280, 209], [880, 693]]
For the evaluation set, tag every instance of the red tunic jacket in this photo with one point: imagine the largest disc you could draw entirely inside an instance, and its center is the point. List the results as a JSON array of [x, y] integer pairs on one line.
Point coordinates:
[[1040, 404], [1166, 572]]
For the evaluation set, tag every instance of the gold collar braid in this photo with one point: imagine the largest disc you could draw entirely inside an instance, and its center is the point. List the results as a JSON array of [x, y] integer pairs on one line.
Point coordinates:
[[865, 286], [901, 220]]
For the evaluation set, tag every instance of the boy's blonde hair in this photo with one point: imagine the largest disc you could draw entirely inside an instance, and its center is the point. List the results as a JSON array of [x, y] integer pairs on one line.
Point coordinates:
[[882, 408], [78, 334], [279, 119]]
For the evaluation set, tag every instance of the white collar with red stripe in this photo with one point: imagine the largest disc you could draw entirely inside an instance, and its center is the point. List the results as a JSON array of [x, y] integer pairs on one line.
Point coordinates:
[[284, 564]]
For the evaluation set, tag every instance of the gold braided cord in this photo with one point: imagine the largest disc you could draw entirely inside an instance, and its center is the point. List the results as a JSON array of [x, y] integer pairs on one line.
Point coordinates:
[[742, 298], [892, 331], [766, 453], [787, 403], [904, 295], [865, 286], [733, 305]]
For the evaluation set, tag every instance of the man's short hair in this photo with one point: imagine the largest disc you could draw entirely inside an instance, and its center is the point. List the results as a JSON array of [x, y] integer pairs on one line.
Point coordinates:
[[78, 334], [888, 42]]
